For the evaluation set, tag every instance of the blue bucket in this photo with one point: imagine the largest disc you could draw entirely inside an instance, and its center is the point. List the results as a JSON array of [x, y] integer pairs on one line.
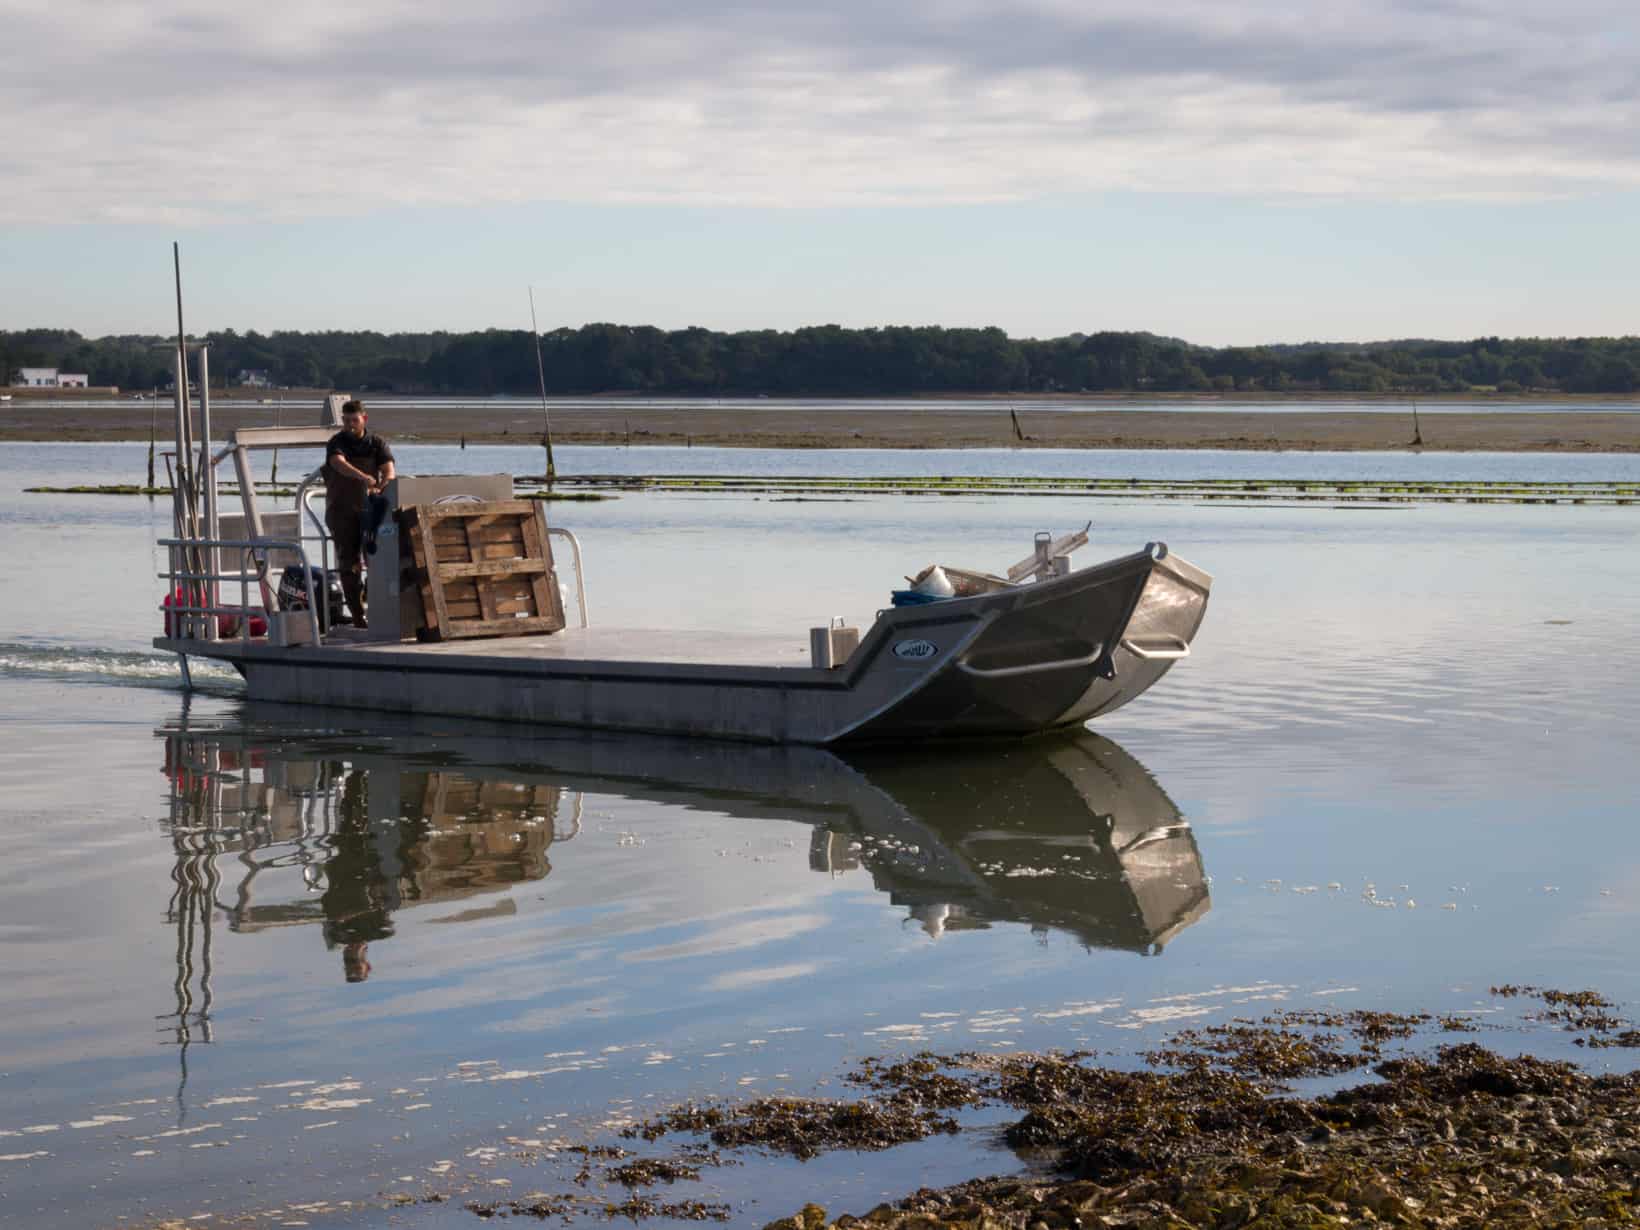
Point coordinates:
[[913, 597]]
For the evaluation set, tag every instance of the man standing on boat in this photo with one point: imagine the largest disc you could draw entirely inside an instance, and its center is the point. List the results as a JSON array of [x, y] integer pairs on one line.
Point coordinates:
[[358, 465]]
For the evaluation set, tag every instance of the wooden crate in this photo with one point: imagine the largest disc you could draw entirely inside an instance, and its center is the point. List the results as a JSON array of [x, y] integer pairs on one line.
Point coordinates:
[[483, 569]]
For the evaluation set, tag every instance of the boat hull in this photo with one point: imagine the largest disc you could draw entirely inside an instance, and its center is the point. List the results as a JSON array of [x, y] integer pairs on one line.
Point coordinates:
[[1059, 653], [1009, 663]]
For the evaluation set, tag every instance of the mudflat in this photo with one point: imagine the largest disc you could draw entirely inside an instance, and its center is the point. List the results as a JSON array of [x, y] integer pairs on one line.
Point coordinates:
[[985, 425]]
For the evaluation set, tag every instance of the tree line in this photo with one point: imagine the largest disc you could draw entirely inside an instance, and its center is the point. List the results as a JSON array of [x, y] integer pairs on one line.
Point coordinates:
[[829, 360]]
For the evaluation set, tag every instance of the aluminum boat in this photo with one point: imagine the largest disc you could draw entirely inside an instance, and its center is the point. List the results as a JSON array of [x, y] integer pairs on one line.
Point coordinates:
[[1038, 648]]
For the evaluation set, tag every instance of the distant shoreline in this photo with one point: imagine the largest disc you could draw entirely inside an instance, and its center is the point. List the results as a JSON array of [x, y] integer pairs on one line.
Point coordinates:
[[1138, 399], [984, 425]]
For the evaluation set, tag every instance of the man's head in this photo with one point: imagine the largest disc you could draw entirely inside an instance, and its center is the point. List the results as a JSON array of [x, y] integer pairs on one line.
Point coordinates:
[[354, 418]]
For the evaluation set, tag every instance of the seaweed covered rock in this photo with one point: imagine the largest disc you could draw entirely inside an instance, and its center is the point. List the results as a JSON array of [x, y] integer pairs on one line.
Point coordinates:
[[804, 1127], [1465, 1138]]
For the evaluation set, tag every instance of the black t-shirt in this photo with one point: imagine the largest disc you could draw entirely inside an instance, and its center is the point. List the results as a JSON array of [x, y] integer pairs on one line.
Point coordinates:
[[368, 452]]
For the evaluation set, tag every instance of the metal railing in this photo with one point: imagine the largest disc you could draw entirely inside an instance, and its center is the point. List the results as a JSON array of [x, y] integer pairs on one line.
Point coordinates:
[[195, 615], [1163, 647], [304, 502], [192, 611], [580, 577]]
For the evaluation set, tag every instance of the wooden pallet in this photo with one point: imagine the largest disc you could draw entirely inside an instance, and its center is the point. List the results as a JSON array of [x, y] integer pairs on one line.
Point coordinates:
[[483, 569]]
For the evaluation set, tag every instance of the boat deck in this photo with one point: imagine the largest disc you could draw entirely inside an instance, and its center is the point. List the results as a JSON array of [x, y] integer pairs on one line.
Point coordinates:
[[622, 650], [650, 645]]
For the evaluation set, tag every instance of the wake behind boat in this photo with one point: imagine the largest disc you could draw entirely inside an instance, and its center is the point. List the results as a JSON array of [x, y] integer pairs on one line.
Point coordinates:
[[461, 627]]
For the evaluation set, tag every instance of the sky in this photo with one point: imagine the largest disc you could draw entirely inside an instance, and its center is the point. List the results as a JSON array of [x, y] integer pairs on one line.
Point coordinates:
[[1230, 173]]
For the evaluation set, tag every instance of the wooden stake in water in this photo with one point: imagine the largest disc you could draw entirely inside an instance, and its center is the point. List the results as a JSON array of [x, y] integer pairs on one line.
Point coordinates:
[[1417, 431], [541, 379], [153, 428]]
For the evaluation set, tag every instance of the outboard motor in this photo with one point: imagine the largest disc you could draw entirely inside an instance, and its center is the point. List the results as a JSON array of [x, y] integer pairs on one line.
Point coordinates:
[[327, 587]]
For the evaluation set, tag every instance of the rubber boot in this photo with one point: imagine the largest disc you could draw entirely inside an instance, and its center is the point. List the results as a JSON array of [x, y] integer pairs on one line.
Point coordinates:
[[351, 591]]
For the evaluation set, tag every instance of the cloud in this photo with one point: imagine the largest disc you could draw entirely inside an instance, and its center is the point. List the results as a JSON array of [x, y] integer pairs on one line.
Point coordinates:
[[193, 112], [759, 976], [751, 932]]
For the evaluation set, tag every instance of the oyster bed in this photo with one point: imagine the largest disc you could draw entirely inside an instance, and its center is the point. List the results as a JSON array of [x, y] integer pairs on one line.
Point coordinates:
[[1207, 1132]]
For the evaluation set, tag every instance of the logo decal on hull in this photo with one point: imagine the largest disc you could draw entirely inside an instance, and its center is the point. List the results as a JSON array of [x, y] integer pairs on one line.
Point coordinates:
[[916, 651]]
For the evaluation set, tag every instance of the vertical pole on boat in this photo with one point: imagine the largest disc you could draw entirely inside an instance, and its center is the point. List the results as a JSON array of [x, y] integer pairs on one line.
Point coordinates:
[[541, 379], [185, 425], [187, 509], [180, 485], [207, 484], [183, 590], [253, 524]]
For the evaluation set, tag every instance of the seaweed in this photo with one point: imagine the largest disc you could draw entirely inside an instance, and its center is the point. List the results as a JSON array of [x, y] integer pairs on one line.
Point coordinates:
[[803, 1127]]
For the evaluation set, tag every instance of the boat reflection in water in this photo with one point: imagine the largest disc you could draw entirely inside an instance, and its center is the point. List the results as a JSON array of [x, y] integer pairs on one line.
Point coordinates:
[[330, 831], [277, 823], [1067, 834]]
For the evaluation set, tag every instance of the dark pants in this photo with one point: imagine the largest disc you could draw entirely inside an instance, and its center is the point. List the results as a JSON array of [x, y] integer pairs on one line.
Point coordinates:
[[345, 522], [346, 525]]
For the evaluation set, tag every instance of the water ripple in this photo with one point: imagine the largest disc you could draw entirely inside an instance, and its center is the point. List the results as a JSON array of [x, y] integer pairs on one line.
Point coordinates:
[[80, 664]]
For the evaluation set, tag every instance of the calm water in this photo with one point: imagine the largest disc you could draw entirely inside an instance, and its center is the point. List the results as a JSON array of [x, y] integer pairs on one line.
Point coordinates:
[[562, 931], [901, 405], [80, 464]]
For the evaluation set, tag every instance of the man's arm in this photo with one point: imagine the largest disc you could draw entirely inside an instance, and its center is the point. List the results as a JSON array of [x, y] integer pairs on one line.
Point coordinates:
[[386, 467], [343, 466]]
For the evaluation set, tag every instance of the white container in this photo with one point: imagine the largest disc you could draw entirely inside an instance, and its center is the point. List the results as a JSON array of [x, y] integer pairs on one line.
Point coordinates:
[[933, 581], [287, 628], [831, 646]]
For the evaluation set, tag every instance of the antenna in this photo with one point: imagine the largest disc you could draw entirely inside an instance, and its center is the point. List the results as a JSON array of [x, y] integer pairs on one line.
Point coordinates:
[[186, 498], [541, 379], [186, 514]]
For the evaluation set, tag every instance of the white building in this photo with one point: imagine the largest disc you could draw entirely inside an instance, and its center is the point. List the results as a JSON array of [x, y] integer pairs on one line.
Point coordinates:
[[256, 379], [51, 378]]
